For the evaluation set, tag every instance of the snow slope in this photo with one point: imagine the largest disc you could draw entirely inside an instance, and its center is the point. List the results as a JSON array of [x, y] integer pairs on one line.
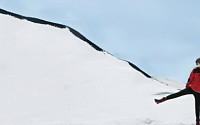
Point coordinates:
[[49, 76]]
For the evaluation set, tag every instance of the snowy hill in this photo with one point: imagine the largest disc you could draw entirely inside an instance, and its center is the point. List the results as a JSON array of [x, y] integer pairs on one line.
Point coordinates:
[[52, 75]]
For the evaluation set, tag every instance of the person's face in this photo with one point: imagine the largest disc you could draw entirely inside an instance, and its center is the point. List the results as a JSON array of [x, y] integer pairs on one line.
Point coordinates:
[[198, 64]]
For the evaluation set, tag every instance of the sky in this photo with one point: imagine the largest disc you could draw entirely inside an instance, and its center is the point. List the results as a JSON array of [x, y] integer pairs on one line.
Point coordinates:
[[160, 37]]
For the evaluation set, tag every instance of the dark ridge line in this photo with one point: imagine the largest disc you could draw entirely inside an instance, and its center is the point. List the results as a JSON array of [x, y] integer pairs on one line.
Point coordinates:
[[76, 33], [138, 69], [31, 19], [39, 21]]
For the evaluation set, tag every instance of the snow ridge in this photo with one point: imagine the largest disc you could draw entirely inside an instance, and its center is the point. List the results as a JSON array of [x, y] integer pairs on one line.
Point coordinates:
[[76, 33], [49, 76], [35, 20]]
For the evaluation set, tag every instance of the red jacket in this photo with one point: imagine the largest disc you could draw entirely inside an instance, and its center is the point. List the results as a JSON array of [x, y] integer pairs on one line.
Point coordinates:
[[194, 80]]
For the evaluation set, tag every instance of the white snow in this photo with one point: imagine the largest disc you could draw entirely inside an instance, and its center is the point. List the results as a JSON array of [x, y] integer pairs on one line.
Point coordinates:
[[170, 82], [48, 76]]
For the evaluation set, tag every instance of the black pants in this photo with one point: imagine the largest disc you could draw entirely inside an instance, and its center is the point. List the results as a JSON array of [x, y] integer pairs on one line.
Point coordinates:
[[185, 92]]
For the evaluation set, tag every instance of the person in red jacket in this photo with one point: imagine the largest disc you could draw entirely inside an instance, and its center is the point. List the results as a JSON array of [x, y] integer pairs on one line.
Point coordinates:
[[192, 87]]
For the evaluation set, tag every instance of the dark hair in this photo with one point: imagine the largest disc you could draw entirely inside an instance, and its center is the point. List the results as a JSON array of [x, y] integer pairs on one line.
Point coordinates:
[[198, 61]]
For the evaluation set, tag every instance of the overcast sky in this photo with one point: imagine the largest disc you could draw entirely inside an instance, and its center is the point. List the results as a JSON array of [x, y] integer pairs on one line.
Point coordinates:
[[162, 37]]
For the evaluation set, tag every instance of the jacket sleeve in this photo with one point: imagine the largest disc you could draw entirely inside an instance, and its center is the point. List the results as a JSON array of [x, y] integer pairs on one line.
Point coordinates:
[[190, 79]]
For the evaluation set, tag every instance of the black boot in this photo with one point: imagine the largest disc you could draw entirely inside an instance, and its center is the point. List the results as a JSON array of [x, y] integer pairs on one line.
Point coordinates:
[[160, 100]]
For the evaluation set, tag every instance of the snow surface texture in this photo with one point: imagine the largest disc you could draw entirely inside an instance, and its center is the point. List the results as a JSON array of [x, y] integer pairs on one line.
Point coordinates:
[[48, 76]]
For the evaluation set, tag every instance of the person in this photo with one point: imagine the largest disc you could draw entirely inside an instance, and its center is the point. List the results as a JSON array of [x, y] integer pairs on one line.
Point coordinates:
[[192, 87]]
